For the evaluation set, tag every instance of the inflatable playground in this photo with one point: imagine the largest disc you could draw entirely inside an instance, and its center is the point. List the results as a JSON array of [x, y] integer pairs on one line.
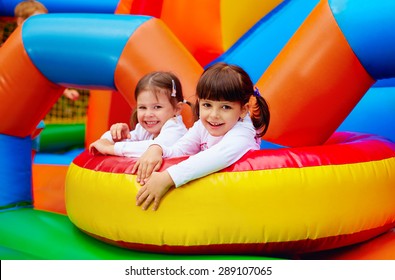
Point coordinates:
[[322, 186]]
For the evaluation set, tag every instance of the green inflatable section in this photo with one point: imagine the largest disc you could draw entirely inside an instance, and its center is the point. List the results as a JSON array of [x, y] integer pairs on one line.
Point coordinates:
[[27, 234], [62, 137]]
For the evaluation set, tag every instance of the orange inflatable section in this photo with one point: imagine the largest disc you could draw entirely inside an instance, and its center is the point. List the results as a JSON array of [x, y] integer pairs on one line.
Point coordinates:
[[124, 7], [315, 77], [198, 25], [17, 69], [171, 57], [207, 28], [237, 18], [98, 118], [48, 191]]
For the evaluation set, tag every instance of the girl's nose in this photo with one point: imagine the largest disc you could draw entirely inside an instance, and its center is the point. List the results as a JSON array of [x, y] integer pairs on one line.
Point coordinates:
[[150, 112], [214, 113]]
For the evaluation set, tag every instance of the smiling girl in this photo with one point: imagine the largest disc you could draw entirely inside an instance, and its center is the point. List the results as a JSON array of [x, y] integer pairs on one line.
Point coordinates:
[[233, 117], [159, 102]]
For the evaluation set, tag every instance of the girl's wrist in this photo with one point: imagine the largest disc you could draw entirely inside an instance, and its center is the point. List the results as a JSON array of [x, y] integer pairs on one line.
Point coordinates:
[[169, 181], [156, 148], [111, 149]]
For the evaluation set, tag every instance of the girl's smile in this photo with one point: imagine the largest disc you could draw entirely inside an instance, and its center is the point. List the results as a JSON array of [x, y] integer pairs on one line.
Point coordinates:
[[215, 125], [154, 110], [151, 123]]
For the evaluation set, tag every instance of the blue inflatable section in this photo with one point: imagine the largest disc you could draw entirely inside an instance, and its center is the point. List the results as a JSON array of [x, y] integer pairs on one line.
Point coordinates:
[[256, 49], [66, 6], [385, 83], [375, 114], [57, 159], [15, 191], [369, 28], [78, 49]]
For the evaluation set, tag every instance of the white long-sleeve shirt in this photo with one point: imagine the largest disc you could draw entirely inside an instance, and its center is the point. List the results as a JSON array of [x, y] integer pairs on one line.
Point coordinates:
[[208, 153], [141, 139]]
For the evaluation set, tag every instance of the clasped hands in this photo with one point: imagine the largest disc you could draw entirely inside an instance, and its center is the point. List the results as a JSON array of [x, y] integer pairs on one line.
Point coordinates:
[[154, 184]]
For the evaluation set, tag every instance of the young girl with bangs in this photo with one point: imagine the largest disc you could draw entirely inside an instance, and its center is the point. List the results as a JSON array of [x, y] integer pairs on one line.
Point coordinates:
[[159, 100], [233, 117]]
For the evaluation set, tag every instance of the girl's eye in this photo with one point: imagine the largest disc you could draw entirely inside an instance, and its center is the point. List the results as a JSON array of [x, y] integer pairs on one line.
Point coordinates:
[[226, 107], [206, 105], [142, 108], [157, 107]]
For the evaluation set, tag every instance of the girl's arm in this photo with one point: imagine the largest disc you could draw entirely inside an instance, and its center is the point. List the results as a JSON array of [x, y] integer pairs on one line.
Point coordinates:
[[117, 132], [105, 145], [151, 160], [107, 136], [231, 148], [187, 145], [171, 131], [102, 146]]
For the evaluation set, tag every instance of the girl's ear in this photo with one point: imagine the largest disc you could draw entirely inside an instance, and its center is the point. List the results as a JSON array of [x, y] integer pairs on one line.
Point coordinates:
[[178, 108], [244, 110]]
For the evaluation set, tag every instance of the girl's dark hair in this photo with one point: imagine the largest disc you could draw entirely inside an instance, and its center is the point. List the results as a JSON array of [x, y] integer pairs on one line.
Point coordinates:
[[222, 81], [159, 82]]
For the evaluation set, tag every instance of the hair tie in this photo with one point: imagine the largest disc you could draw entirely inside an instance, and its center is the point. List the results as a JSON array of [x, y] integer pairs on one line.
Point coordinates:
[[174, 91], [256, 92]]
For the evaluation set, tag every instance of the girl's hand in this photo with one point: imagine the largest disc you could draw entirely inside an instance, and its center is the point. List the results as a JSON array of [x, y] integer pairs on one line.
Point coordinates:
[[101, 146], [149, 162], [154, 189], [120, 131]]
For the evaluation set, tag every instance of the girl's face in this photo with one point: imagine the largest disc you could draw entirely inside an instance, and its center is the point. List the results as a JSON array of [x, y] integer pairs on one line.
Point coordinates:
[[153, 110], [218, 117]]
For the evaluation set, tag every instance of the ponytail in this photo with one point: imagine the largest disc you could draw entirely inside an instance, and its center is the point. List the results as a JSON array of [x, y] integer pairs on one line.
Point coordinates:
[[259, 113]]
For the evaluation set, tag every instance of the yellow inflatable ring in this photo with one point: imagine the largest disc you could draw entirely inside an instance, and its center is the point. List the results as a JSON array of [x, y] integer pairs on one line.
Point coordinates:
[[284, 201]]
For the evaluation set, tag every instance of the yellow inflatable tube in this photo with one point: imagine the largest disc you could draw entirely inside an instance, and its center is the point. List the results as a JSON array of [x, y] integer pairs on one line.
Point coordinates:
[[281, 201]]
